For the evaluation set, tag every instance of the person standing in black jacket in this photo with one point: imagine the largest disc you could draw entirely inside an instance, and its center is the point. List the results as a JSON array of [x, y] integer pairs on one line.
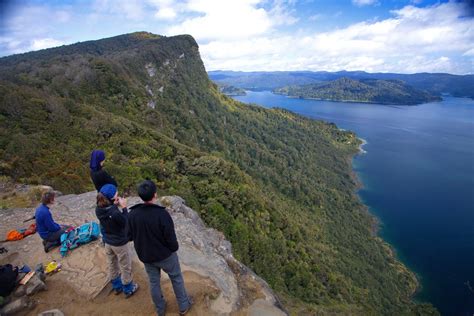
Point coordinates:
[[151, 228], [99, 176], [113, 223]]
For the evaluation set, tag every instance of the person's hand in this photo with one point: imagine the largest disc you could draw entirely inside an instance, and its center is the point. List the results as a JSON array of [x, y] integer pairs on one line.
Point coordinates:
[[122, 202]]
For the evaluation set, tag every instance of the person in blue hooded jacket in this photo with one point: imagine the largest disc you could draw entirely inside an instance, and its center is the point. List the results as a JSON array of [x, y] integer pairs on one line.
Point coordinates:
[[113, 221], [99, 176]]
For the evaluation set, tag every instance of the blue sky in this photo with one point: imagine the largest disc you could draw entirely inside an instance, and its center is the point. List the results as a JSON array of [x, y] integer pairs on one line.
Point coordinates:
[[404, 36]]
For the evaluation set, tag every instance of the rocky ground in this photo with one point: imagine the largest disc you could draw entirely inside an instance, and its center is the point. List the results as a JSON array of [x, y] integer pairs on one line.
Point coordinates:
[[219, 283]]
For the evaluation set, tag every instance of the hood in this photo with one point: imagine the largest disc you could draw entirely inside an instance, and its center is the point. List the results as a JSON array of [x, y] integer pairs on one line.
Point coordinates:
[[103, 213], [145, 205], [96, 157]]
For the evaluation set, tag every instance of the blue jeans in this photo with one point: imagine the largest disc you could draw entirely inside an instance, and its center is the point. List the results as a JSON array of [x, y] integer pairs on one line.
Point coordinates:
[[171, 266]]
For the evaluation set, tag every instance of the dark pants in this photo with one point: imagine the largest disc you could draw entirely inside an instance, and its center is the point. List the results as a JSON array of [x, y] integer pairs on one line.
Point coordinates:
[[54, 239], [171, 266]]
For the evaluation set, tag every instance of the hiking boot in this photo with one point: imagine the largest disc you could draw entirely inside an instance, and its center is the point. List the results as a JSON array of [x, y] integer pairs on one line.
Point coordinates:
[[25, 269], [117, 285], [130, 289], [191, 302], [47, 246]]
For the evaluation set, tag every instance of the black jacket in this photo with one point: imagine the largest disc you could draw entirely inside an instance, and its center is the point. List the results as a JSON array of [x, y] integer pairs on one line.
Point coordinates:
[[101, 178], [151, 228], [113, 224]]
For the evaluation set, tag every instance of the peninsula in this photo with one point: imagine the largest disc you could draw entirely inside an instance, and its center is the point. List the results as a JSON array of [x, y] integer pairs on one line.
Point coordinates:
[[345, 89]]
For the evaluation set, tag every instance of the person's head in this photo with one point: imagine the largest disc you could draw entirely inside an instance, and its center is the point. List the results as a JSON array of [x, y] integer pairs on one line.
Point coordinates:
[[147, 191], [107, 195], [97, 159], [48, 197]]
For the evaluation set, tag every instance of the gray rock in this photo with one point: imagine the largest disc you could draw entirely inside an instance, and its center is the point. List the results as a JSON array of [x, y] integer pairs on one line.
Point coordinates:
[[150, 69], [203, 251], [34, 285], [18, 305], [263, 308], [20, 291], [52, 312], [151, 104]]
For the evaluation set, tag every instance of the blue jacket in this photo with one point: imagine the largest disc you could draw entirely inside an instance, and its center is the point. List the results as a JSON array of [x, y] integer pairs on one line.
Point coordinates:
[[45, 224]]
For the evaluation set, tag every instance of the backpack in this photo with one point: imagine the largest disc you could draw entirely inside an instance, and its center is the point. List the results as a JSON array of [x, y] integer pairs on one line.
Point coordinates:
[[79, 236], [7, 279], [14, 235], [30, 230]]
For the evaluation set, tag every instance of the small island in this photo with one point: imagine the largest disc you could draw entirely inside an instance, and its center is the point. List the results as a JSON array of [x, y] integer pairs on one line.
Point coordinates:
[[395, 92], [231, 90]]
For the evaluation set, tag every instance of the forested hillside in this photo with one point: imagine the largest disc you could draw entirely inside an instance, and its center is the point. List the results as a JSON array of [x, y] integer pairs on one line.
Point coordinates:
[[278, 185], [364, 90]]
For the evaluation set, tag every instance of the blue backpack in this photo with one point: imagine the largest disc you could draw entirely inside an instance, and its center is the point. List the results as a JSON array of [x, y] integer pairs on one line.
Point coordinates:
[[79, 236]]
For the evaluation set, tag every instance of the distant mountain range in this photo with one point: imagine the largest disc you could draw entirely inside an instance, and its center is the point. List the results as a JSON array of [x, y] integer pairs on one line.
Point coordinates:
[[364, 90], [435, 83]]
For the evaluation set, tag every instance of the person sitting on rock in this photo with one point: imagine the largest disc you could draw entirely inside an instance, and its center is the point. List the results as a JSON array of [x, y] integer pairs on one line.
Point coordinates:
[[151, 228], [99, 176], [47, 228], [114, 223]]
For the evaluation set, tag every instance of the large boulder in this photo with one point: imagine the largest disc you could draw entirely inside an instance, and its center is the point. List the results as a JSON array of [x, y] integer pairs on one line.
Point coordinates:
[[203, 251]]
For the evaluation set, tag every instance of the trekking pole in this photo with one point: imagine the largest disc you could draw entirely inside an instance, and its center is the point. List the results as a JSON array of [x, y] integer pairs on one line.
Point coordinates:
[[29, 219]]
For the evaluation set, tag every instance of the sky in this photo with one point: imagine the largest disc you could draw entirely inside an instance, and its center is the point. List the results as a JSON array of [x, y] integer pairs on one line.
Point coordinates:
[[402, 36]]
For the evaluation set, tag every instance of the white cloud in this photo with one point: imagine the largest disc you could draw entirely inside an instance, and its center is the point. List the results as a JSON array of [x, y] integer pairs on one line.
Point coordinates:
[[43, 43], [15, 46], [420, 64], [233, 19], [62, 16], [430, 39], [165, 14], [165, 9], [469, 52], [282, 14], [361, 3], [315, 17], [32, 28], [130, 9], [265, 34]]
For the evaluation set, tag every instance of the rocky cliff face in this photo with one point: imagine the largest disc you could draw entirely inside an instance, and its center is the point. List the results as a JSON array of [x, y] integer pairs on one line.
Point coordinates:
[[220, 284]]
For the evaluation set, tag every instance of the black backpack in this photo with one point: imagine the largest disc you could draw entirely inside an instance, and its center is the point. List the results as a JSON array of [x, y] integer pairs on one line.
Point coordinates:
[[7, 279]]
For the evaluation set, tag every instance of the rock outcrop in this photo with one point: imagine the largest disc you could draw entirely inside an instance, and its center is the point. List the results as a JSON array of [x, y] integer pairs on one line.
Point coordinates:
[[204, 253]]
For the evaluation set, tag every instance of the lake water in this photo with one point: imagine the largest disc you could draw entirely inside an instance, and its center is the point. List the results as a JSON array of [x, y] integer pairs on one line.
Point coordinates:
[[418, 176]]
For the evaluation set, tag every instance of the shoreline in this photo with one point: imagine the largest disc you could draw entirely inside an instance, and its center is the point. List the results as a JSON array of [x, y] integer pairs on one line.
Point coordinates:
[[356, 101], [364, 142], [376, 224]]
